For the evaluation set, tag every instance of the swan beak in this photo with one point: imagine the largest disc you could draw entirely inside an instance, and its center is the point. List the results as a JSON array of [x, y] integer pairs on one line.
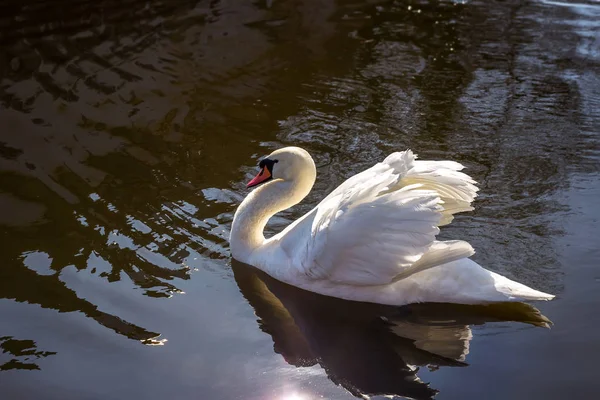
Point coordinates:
[[263, 175]]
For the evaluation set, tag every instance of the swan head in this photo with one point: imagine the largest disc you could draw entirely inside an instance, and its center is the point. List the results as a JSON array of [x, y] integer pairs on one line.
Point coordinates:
[[287, 164]]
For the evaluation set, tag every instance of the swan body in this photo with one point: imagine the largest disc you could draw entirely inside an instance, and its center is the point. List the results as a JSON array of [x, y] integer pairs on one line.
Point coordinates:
[[373, 238]]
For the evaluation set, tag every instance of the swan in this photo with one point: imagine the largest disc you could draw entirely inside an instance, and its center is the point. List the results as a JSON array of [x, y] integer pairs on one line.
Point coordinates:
[[373, 238]]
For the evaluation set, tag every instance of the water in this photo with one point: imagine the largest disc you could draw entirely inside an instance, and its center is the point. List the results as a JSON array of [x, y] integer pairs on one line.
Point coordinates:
[[130, 128]]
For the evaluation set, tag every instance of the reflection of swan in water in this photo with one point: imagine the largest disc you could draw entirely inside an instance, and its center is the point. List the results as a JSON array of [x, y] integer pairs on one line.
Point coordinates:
[[367, 348]]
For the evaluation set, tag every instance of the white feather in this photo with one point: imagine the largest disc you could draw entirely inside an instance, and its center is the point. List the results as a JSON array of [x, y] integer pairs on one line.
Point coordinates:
[[390, 214]]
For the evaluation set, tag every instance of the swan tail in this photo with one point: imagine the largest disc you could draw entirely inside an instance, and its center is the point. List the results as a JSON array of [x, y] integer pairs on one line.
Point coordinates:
[[515, 291], [462, 282]]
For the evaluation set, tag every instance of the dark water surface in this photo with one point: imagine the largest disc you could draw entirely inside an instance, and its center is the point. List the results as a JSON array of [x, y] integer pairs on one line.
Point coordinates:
[[128, 130]]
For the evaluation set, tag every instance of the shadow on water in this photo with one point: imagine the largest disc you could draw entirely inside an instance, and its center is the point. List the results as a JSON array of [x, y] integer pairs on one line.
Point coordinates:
[[22, 353], [369, 349]]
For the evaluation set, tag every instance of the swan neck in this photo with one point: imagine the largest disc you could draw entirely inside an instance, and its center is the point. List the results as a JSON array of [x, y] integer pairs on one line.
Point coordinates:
[[251, 217]]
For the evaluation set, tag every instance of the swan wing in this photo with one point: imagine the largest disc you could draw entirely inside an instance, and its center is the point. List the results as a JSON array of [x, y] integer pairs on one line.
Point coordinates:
[[380, 225]]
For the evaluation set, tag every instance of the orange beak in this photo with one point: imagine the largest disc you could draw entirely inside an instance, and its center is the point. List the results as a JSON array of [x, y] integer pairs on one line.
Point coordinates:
[[262, 176]]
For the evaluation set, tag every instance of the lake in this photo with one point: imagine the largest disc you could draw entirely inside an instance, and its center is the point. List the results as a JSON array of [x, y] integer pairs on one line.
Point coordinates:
[[129, 130]]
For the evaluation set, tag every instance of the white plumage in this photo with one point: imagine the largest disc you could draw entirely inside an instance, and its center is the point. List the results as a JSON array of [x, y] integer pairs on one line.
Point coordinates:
[[374, 237]]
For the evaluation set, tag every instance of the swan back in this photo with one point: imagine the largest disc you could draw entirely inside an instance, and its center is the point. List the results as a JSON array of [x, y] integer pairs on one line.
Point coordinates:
[[380, 225]]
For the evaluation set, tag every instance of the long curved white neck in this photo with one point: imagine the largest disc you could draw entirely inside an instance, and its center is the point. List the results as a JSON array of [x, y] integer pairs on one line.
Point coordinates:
[[259, 206]]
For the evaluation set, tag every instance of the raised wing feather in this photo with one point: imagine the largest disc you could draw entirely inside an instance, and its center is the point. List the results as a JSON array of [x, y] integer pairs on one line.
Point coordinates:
[[380, 225]]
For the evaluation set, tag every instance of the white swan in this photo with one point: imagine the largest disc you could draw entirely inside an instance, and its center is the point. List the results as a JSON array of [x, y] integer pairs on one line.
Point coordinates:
[[373, 238]]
